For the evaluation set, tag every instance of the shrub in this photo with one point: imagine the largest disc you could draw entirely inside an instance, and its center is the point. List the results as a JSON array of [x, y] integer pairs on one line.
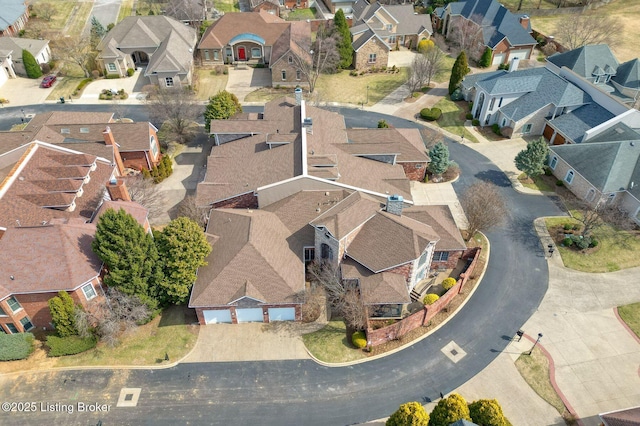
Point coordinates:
[[496, 129], [46, 68], [130, 71], [430, 299], [567, 242], [359, 339], [575, 227], [353, 73], [430, 114], [475, 122], [63, 309], [83, 83], [4, 101], [259, 65], [449, 410], [594, 243], [225, 71], [457, 95], [31, 67], [580, 241], [71, 345], [448, 283], [548, 171], [487, 412], [469, 116], [567, 226], [15, 346], [411, 413], [110, 76], [559, 183]]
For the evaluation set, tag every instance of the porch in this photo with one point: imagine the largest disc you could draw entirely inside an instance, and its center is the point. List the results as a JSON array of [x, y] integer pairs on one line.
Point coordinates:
[[433, 282]]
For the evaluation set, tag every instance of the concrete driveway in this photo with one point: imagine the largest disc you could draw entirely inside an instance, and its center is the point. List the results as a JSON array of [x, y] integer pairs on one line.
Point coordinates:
[[243, 81], [401, 58], [25, 91], [132, 85]]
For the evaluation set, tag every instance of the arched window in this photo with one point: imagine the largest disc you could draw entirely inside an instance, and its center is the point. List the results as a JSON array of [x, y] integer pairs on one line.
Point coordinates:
[[569, 177], [326, 253], [553, 163]]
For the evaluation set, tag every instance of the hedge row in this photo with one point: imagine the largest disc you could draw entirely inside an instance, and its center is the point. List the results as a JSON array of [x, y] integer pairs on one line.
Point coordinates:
[[15, 346], [430, 114], [71, 345], [81, 86]]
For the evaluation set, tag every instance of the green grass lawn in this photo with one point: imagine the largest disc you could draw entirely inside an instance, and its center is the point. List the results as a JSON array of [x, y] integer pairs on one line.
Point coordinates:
[[630, 314], [126, 8], [534, 369], [329, 344], [445, 75], [302, 14], [452, 119], [537, 182], [209, 84], [227, 5], [64, 87], [616, 249], [80, 19]]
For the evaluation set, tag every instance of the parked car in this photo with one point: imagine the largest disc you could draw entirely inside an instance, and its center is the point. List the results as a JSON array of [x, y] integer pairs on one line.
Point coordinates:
[[48, 81]]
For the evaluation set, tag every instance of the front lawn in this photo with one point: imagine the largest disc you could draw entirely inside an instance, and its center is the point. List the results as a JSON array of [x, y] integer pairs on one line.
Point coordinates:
[[126, 8], [616, 249], [329, 344], [453, 118], [64, 86], [210, 82], [630, 314], [538, 182], [445, 76]]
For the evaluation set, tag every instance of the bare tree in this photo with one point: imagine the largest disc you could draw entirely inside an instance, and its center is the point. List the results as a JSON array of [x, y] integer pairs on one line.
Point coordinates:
[[75, 50], [147, 193], [592, 216], [189, 208], [434, 62], [45, 11], [418, 73], [467, 34], [344, 296], [484, 207], [177, 108], [588, 28], [321, 57]]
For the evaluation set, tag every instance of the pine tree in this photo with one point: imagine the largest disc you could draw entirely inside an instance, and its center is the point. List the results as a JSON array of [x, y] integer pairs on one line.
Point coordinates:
[[31, 67], [439, 155], [97, 32], [344, 43], [532, 159], [183, 247], [449, 410], [409, 414], [485, 60], [63, 310], [129, 254], [459, 70]]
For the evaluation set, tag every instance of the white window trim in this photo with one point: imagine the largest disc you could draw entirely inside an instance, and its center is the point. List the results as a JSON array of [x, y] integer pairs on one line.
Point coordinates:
[[373, 57], [9, 330], [111, 67], [569, 173], [95, 293], [526, 131], [17, 310], [166, 81], [553, 163], [29, 320]]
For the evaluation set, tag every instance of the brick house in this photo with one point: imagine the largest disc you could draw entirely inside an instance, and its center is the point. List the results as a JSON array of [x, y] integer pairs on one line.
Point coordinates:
[[160, 44], [369, 50], [507, 35], [14, 15], [270, 6], [258, 38], [291, 186]]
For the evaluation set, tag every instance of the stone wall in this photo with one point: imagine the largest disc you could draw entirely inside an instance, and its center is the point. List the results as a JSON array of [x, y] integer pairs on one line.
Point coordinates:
[[361, 57]]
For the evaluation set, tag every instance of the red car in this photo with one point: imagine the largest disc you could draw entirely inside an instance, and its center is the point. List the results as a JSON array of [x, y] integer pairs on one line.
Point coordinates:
[[48, 81]]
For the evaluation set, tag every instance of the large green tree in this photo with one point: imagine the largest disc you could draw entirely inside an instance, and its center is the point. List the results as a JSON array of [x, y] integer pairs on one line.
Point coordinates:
[[31, 67], [532, 159], [439, 155], [220, 107], [487, 412], [449, 410], [130, 255], [97, 32], [459, 70], [345, 47], [63, 311], [183, 248], [409, 414], [485, 59]]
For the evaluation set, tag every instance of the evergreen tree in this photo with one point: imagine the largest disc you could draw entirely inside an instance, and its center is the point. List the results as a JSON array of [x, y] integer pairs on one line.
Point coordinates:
[[485, 60], [63, 311], [30, 65], [409, 414], [97, 32], [532, 159], [487, 412], [345, 47], [129, 254], [439, 155], [220, 107], [183, 247], [459, 70], [449, 410]]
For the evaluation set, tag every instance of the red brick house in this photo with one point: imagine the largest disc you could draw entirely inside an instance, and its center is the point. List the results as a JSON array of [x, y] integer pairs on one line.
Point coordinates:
[[14, 15]]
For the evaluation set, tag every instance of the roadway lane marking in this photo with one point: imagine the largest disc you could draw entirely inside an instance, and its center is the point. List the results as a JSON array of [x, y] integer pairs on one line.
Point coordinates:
[[453, 352], [128, 397]]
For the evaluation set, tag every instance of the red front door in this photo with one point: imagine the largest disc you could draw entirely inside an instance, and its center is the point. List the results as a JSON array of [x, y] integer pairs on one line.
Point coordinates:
[[242, 54]]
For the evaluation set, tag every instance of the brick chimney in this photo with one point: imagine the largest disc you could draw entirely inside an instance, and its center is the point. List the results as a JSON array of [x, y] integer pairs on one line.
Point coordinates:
[[394, 204], [108, 136], [524, 21], [118, 190]]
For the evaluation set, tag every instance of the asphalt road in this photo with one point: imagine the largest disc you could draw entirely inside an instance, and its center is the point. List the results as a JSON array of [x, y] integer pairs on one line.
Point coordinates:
[[302, 392]]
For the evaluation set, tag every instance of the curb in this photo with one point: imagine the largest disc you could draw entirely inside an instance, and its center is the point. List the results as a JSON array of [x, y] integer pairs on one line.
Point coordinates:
[[424, 336], [624, 324]]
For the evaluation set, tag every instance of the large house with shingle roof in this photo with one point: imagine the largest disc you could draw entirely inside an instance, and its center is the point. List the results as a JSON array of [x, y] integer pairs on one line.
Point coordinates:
[[258, 38], [291, 186], [161, 45], [506, 34], [11, 55], [14, 15]]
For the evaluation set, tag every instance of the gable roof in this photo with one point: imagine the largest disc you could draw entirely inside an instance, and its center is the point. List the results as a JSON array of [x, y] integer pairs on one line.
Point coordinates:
[[137, 211], [628, 74], [626, 417], [440, 218], [384, 287], [574, 124], [348, 214], [47, 258], [406, 20], [586, 60], [174, 54], [263, 24], [363, 142], [10, 11], [16, 44], [257, 238]]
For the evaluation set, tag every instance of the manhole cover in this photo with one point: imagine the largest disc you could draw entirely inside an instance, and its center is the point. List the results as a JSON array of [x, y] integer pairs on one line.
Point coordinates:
[[454, 352]]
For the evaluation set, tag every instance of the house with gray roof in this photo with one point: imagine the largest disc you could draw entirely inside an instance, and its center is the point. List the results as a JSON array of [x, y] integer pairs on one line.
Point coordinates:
[[11, 51], [14, 15], [161, 45], [598, 65], [506, 34]]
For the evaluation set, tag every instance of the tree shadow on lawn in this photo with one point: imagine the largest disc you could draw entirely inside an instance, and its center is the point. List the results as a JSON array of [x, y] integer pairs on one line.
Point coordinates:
[[177, 315]]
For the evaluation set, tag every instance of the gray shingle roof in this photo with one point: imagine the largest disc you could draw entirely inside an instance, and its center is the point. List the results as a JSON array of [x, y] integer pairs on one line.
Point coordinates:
[[17, 44], [10, 11], [574, 124], [628, 74], [471, 79], [408, 21], [585, 60]]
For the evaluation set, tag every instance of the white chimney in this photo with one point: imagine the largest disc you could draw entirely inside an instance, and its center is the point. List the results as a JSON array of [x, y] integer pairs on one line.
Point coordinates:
[[298, 93], [513, 66]]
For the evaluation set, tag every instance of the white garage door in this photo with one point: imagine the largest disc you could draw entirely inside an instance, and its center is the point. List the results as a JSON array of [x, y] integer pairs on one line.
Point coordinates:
[[282, 314], [520, 54], [498, 58], [217, 316], [249, 315]]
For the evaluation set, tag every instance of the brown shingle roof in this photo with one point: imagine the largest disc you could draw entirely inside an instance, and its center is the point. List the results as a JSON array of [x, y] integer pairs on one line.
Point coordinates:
[[384, 287], [139, 212], [25, 195], [47, 258], [387, 240], [348, 214], [251, 257], [441, 220], [386, 141], [263, 24], [626, 417]]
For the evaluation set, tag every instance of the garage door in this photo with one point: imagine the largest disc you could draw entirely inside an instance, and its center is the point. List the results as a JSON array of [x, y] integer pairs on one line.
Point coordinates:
[[249, 315], [548, 132], [520, 54], [498, 58], [282, 314], [217, 316]]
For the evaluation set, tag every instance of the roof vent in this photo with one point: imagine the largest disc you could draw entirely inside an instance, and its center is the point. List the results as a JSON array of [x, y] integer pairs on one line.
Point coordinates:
[[113, 181]]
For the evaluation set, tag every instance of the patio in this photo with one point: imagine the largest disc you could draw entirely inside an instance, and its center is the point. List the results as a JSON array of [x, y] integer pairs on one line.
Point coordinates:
[[433, 282]]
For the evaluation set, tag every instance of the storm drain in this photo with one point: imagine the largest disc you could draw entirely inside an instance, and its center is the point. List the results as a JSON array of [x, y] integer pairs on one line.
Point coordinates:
[[453, 351], [128, 397]]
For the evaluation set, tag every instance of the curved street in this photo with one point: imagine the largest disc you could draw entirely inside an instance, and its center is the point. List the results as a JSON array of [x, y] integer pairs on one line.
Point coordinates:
[[303, 392]]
